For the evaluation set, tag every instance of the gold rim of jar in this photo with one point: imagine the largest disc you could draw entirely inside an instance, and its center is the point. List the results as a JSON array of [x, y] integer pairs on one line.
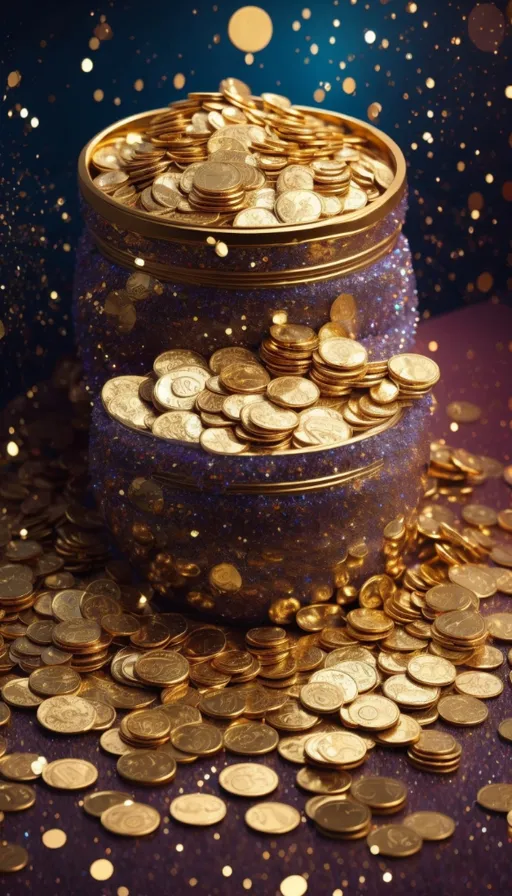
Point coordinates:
[[148, 226]]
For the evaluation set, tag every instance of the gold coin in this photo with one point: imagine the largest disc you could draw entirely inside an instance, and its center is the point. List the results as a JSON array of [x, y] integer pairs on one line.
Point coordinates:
[[244, 376], [255, 217], [111, 742], [414, 370], [147, 724], [249, 779], [462, 710], [54, 681], [18, 693], [315, 617], [148, 767], [379, 793], [364, 674], [343, 353], [224, 577], [66, 604], [228, 704], [478, 684], [16, 797], [200, 739], [163, 668], [504, 730], [430, 825], [320, 697], [22, 766], [292, 392], [479, 580], [199, 809], [251, 739], [342, 816], [486, 657], [499, 626], [5, 714], [406, 731], [204, 643], [323, 781], [66, 715], [505, 520], [431, 670], [292, 748], [394, 840], [291, 717], [298, 207], [70, 774], [222, 440], [122, 401], [175, 358], [373, 712], [339, 748], [272, 818], [130, 819], [340, 680], [495, 797], [268, 416], [97, 802], [12, 857]]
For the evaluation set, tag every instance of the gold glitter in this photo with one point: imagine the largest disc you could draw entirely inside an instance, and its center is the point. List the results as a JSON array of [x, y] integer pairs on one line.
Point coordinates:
[[123, 891], [54, 838], [87, 65], [98, 95], [294, 885], [319, 95], [179, 81], [349, 85], [13, 79], [250, 29], [373, 111], [139, 84], [101, 869]]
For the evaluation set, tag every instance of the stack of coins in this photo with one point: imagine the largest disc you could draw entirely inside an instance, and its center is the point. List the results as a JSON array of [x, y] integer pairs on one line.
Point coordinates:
[[289, 349], [342, 819], [384, 796], [414, 374], [338, 365], [242, 161], [145, 728], [460, 630], [85, 640], [436, 751]]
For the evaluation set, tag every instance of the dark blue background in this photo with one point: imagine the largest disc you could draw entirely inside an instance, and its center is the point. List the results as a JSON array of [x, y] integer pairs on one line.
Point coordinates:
[[154, 40]]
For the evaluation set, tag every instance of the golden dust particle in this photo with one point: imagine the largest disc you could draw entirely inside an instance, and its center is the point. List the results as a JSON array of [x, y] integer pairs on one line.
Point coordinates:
[[227, 871], [34, 122], [314, 49], [387, 877], [484, 282], [319, 95], [117, 101], [24, 113], [294, 885], [2, 329], [280, 317], [296, 26], [489, 178], [486, 27], [508, 91], [193, 881], [454, 426], [430, 83], [306, 13], [433, 346], [250, 29], [12, 449], [13, 79], [221, 249], [98, 95], [179, 81], [247, 883], [249, 59], [370, 37], [475, 214], [101, 869], [507, 190], [54, 838], [138, 85], [216, 38], [411, 7], [139, 262], [373, 111], [475, 200], [349, 85], [87, 65], [94, 43], [123, 891], [211, 240]]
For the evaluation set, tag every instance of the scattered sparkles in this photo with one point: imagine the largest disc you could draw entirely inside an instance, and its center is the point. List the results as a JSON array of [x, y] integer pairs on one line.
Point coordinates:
[[54, 838], [101, 869], [87, 65]]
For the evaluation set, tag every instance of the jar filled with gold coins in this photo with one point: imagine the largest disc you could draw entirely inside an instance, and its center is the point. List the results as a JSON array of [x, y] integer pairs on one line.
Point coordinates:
[[224, 213]]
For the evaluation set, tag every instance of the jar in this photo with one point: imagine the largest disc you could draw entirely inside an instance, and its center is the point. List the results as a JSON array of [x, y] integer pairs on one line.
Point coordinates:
[[241, 537], [144, 284]]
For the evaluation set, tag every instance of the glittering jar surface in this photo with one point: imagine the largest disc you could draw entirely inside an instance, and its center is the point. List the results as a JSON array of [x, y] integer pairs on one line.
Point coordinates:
[[176, 511]]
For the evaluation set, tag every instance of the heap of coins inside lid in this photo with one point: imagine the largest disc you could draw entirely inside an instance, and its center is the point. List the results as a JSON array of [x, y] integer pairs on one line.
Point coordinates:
[[232, 159], [84, 648], [304, 391]]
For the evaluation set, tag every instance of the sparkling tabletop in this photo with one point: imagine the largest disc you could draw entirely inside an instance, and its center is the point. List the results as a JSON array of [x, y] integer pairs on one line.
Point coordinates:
[[472, 349]]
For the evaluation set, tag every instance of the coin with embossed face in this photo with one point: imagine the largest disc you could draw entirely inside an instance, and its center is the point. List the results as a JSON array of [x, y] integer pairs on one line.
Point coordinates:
[[380, 793], [463, 710], [431, 670], [326, 782], [394, 840], [249, 779], [130, 819], [149, 767], [272, 818], [200, 739], [178, 426], [200, 809], [251, 739], [66, 715], [70, 774]]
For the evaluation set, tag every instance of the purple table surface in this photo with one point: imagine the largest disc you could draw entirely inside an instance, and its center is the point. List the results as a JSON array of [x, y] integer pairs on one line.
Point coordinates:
[[474, 355]]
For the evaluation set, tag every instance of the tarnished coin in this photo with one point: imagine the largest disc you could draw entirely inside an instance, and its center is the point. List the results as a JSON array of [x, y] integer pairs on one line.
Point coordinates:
[[12, 857], [320, 781], [272, 818], [148, 767], [462, 710], [200, 740], [251, 739], [95, 803], [495, 797], [379, 793], [130, 819], [199, 809], [70, 774], [505, 729], [16, 797], [66, 715], [430, 825], [342, 816], [395, 840], [249, 779]]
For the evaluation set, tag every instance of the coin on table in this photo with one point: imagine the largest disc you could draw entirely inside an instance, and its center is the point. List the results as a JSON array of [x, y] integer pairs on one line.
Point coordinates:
[[70, 774], [505, 729], [251, 739], [12, 857], [53, 681], [163, 668], [495, 797], [249, 779], [5, 714], [479, 580], [340, 680], [462, 710], [406, 731], [320, 697], [146, 724], [16, 797], [499, 626], [227, 704], [272, 818], [111, 742], [381, 794], [292, 748], [483, 685], [374, 712], [342, 816], [199, 809], [430, 825], [175, 358], [222, 440], [66, 715], [325, 782], [409, 694], [130, 819], [431, 670], [291, 717], [22, 766], [18, 693], [200, 739], [395, 841], [97, 802], [338, 748], [149, 767]]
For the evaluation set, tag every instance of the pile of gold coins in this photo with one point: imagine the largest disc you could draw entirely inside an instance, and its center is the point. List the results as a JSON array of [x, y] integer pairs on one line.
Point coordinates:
[[229, 158], [232, 405], [84, 649]]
